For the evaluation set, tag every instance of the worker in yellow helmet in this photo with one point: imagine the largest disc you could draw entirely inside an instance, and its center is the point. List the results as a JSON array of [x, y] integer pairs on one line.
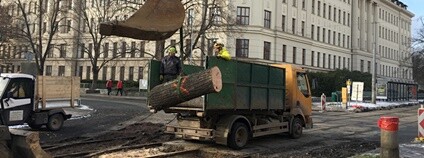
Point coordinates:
[[221, 51]]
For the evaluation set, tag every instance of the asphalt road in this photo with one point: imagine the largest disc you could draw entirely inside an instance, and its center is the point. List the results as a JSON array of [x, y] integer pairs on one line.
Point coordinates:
[[99, 114], [335, 134]]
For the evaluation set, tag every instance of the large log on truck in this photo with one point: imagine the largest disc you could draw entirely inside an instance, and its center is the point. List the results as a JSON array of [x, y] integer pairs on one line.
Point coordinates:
[[185, 88]]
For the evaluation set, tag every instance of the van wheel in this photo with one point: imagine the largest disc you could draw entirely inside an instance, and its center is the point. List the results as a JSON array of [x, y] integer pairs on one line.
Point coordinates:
[[296, 129], [55, 122], [239, 135]]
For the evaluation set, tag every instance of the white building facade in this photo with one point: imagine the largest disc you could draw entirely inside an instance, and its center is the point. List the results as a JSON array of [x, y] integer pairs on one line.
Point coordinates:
[[320, 35]]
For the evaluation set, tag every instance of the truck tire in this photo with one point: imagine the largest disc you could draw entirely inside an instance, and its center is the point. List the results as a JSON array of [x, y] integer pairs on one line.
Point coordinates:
[[55, 122], [239, 135], [296, 128]]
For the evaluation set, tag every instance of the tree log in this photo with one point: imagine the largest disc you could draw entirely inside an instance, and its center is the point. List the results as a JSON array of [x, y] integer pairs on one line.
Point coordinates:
[[185, 88]]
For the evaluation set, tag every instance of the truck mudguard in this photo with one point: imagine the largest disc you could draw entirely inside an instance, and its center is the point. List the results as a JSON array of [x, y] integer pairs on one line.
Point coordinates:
[[224, 125]]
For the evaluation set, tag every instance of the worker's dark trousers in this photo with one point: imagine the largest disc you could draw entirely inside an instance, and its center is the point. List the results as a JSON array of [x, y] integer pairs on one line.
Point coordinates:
[[167, 78]]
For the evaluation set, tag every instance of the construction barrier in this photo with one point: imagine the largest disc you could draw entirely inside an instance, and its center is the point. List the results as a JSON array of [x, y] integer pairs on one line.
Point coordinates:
[[421, 122], [323, 100]]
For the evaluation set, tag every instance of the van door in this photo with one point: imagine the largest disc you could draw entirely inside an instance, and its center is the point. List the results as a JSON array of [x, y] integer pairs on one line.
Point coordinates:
[[17, 101]]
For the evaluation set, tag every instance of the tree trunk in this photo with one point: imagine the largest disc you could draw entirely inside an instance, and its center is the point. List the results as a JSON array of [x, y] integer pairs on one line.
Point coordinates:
[[95, 79], [185, 88]]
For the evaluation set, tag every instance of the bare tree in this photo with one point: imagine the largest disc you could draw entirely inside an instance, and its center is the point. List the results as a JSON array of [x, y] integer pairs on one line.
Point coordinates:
[[206, 18], [89, 19], [36, 24], [418, 53], [5, 33]]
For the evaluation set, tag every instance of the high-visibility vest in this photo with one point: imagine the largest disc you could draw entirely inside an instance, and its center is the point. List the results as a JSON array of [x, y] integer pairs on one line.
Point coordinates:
[[224, 54]]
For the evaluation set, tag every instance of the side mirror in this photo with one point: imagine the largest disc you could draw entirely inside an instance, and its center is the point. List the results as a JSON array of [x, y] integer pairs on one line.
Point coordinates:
[[9, 94]]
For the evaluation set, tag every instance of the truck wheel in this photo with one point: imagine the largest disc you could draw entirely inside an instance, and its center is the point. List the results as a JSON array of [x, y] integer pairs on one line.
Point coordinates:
[[296, 129], [239, 135], [55, 122]]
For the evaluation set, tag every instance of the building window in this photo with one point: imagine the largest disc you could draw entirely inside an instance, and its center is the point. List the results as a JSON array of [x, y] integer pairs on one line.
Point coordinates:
[[344, 18], [323, 10], [115, 49], [123, 49], [215, 15], [339, 62], [80, 71], [294, 3], [362, 66], [294, 25], [104, 73], [319, 8], [312, 32], [329, 61], [284, 56], [106, 50], [334, 62], [312, 58], [122, 73], [334, 37], [335, 14], [318, 30], [323, 60], [267, 50], [313, 6], [112, 72], [267, 19], [140, 72], [369, 66], [242, 48], [329, 36], [344, 40], [344, 62], [131, 74], [329, 12], [323, 34], [303, 56], [48, 70], [132, 51], [303, 4], [49, 54], [69, 25], [303, 28], [340, 12], [294, 55], [63, 51], [61, 71], [142, 48], [243, 15], [88, 73], [338, 39], [283, 23], [190, 16], [318, 58]]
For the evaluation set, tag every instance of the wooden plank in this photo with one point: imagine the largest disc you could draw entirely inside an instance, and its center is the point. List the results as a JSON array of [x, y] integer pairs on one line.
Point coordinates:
[[58, 87]]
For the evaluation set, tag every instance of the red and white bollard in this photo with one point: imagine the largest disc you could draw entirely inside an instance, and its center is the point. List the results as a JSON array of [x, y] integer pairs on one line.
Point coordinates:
[[323, 100], [421, 122], [389, 137]]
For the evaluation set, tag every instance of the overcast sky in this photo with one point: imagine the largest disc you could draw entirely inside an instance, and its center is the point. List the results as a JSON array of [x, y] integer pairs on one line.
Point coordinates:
[[416, 7]]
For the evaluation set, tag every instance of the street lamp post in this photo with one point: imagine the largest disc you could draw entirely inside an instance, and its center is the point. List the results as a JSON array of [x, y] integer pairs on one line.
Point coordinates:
[[374, 52]]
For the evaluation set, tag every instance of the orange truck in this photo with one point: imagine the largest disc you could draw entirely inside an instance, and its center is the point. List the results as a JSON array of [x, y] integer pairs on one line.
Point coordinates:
[[256, 99]]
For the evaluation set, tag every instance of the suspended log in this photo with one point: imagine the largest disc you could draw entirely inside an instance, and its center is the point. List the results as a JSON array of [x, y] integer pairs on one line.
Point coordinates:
[[185, 88]]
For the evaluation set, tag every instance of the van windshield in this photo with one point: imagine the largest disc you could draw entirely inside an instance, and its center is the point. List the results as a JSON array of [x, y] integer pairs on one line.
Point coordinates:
[[3, 84]]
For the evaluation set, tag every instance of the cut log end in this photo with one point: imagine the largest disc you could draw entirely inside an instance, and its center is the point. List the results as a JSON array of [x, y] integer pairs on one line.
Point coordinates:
[[216, 79]]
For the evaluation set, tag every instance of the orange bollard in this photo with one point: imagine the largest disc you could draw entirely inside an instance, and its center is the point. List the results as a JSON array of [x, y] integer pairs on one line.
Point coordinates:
[[389, 138]]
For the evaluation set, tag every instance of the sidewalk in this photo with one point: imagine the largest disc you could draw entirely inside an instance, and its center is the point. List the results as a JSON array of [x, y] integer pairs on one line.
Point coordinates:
[[361, 106], [114, 96]]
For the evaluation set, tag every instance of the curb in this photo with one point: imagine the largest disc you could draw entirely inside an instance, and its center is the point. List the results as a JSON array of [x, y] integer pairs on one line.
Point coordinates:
[[114, 96]]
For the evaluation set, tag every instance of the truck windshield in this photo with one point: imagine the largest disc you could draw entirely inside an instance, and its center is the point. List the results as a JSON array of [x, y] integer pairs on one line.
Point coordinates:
[[302, 84], [3, 84]]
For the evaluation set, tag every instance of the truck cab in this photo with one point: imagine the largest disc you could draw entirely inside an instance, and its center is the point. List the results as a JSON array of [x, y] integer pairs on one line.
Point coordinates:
[[19, 104]]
